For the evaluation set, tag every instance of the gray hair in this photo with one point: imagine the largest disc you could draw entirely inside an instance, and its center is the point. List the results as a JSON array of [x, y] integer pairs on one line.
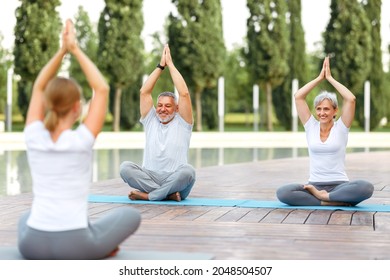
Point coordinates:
[[168, 93], [326, 95]]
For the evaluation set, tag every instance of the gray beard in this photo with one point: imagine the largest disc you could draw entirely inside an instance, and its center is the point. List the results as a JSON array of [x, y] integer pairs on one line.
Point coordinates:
[[167, 119]]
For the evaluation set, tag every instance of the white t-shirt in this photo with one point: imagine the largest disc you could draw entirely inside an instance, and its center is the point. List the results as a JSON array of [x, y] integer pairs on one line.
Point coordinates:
[[167, 145], [61, 175], [327, 159]]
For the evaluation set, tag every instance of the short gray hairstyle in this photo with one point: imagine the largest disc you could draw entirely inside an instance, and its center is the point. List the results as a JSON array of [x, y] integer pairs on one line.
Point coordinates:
[[168, 93], [326, 95]]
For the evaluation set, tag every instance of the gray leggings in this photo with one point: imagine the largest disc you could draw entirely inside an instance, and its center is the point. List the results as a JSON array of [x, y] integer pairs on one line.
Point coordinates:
[[352, 192], [95, 242], [158, 184]]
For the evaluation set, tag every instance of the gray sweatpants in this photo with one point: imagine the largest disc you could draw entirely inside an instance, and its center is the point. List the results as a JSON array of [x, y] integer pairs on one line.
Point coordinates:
[[95, 242], [158, 184], [352, 192]]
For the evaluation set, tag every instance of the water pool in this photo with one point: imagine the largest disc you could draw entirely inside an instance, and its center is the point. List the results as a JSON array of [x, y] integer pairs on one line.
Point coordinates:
[[15, 173]]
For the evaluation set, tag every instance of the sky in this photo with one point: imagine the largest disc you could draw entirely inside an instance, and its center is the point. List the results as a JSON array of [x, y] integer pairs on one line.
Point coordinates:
[[315, 17]]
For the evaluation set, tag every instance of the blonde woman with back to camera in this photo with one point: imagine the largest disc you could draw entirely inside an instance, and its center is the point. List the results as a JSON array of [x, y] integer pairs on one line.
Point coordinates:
[[60, 160]]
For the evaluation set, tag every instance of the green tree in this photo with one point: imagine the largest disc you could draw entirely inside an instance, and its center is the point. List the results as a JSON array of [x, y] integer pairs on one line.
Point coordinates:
[[387, 82], [237, 82], [88, 42], [196, 40], [151, 59], [387, 88], [387, 100], [6, 63], [3, 76], [37, 30], [120, 54], [297, 62], [210, 103], [376, 75], [348, 40], [268, 47]]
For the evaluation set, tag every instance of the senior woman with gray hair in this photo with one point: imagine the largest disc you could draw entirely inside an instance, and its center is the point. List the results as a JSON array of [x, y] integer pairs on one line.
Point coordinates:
[[327, 139]]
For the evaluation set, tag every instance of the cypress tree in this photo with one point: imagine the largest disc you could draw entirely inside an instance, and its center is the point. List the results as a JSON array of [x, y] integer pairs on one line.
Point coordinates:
[[297, 65], [268, 47], [120, 50], [387, 87], [237, 82], [37, 31], [88, 41], [196, 41], [348, 40], [4, 65], [376, 75]]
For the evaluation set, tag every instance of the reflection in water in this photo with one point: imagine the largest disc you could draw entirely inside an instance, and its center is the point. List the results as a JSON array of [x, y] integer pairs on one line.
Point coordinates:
[[15, 173]]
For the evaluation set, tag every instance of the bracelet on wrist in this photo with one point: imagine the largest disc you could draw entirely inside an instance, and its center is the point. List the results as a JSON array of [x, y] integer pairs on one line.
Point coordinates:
[[160, 66]]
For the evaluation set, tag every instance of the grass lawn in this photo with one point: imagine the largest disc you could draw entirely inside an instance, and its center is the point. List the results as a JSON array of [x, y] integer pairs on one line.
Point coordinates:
[[233, 122]]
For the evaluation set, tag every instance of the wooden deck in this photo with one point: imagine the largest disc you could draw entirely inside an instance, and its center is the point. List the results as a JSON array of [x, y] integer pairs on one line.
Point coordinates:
[[249, 233]]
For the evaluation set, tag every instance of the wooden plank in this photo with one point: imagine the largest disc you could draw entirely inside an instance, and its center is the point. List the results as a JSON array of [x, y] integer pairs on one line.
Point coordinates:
[[233, 215], [382, 221], [213, 214], [192, 213], [247, 233], [171, 213], [255, 215], [341, 218], [276, 216], [153, 212], [297, 217], [363, 219], [386, 187], [319, 217]]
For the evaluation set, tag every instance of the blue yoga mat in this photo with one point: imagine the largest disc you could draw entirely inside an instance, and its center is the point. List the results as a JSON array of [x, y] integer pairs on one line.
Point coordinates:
[[235, 203], [186, 202]]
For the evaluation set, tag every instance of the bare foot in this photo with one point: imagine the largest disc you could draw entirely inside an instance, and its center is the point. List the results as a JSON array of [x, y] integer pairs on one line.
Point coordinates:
[[324, 197], [174, 196], [113, 252], [321, 195], [334, 203], [137, 195]]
